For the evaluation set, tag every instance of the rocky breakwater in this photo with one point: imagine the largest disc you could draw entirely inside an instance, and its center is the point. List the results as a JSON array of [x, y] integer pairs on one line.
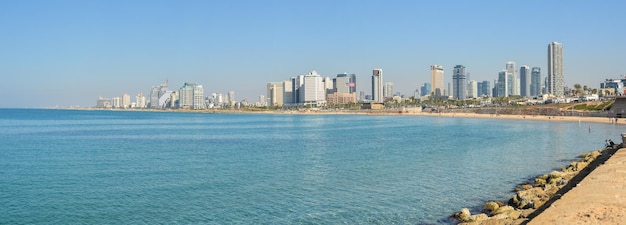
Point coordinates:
[[529, 197]]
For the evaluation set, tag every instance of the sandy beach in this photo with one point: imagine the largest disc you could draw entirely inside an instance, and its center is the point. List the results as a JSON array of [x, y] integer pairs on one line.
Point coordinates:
[[600, 198]]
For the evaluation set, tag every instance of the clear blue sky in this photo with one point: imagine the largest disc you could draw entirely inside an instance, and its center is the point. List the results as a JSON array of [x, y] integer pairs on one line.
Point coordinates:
[[69, 53]]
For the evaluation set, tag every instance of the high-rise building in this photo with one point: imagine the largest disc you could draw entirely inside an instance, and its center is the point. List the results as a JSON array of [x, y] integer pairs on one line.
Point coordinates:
[[555, 69], [472, 89], [459, 84], [231, 97], [388, 89], [288, 96], [352, 83], [275, 93], [125, 101], [296, 89], [535, 81], [486, 89], [436, 79], [341, 84], [191, 96], [425, 89], [140, 101], [513, 80], [314, 92], [377, 85], [503, 84], [328, 84], [524, 80]]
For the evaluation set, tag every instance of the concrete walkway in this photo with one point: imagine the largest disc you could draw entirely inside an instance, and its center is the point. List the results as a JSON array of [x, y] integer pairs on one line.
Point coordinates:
[[600, 198]]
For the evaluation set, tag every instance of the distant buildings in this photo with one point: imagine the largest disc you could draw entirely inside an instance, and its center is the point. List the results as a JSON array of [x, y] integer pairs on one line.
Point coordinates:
[[459, 84], [472, 89], [502, 86], [425, 89], [191, 96], [388, 90], [483, 89], [377, 85], [535, 81], [275, 93], [524, 78], [555, 69], [436, 79], [513, 87]]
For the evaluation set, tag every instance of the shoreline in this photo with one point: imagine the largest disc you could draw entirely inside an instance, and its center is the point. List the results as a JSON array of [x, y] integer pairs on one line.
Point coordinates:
[[580, 119], [534, 202]]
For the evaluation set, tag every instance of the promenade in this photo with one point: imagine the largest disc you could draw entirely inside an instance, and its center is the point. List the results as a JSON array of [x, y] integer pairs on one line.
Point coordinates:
[[600, 198]]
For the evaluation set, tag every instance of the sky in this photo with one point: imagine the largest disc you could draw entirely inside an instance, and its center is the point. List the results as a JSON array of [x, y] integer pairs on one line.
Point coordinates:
[[68, 53]]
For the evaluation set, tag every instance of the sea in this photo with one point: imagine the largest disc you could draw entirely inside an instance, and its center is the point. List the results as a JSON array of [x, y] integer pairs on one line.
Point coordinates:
[[141, 167]]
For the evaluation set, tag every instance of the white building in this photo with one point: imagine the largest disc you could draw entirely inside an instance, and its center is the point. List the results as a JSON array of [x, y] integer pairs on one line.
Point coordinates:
[[140, 101], [555, 69], [513, 79], [313, 91], [472, 89], [191, 96]]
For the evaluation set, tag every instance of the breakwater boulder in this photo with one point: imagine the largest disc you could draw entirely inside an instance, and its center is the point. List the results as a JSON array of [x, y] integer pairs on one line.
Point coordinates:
[[528, 196]]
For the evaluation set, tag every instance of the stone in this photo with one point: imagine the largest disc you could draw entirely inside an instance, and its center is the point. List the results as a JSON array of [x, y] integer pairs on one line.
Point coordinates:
[[479, 217], [490, 207], [464, 215]]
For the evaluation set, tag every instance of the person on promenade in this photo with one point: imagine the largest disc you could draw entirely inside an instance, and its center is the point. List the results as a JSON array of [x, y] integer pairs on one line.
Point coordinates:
[[606, 143], [611, 142]]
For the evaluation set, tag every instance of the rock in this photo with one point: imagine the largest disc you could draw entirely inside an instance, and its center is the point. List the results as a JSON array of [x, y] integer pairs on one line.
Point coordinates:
[[464, 215], [479, 217], [581, 165], [503, 210], [540, 182], [527, 199], [490, 207]]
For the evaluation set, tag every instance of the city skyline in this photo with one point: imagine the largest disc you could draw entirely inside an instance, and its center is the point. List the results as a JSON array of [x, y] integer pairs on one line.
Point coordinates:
[[68, 53]]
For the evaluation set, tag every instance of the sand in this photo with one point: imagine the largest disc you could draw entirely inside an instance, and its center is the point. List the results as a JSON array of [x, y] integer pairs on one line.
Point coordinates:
[[600, 198]]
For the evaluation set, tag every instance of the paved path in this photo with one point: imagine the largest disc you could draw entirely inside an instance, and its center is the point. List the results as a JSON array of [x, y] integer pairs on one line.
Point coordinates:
[[600, 198]]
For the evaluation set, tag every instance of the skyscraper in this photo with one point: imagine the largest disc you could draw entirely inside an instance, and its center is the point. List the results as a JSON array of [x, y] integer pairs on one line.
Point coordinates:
[[191, 96], [503, 84], [436, 80], [555, 69], [341, 84], [524, 78], [314, 92], [288, 93], [352, 83], [535, 82], [486, 89], [513, 80], [472, 89], [377, 85], [275, 93], [425, 89], [388, 89], [459, 84]]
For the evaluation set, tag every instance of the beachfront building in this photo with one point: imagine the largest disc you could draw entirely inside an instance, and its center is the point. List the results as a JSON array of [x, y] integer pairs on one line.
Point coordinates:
[[502, 89], [555, 69], [512, 79], [275, 93], [535, 81], [191, 96], [459, 84], [472, 89], [436, 80], [140, 101], [342, 92], [388, 89], [377, 85], [313, 91], [524, 80], [425, 89]]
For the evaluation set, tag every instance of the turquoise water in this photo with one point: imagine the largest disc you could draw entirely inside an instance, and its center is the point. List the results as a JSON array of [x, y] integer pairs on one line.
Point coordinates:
[[110, 167]]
